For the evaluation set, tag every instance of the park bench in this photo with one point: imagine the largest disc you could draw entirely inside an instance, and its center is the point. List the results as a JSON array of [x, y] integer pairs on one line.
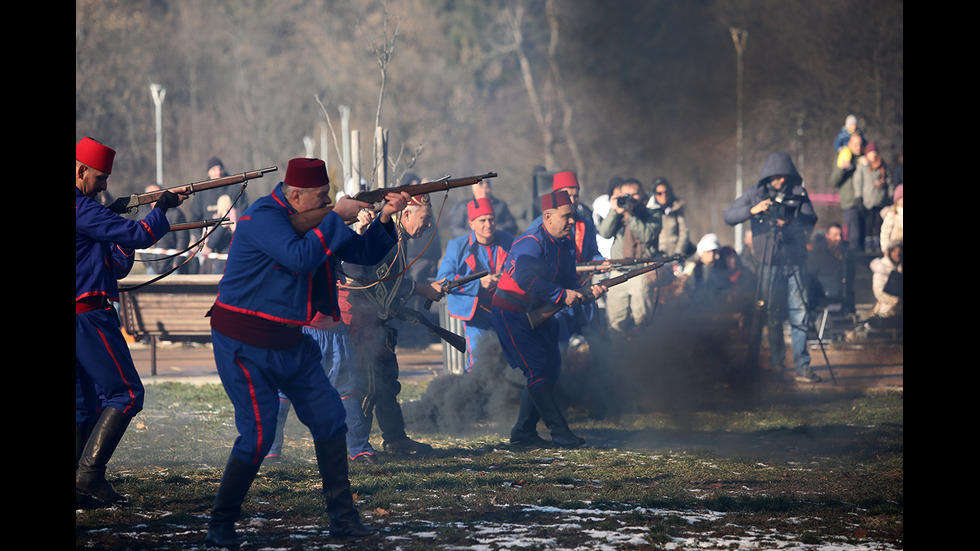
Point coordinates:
[[173, 307]]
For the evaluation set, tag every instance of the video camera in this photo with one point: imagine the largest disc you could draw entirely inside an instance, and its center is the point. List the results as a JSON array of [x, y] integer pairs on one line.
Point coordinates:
[[785, 206]]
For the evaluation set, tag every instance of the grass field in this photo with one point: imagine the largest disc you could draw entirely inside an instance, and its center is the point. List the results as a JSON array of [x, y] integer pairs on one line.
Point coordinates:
[[692, 464]]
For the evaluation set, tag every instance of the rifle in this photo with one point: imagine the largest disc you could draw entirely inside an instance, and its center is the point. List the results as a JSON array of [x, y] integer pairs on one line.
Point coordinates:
[[416, 317], [200, 224], [126, 204], [305, 221], [538, 316], [611, 264], [457, 283]]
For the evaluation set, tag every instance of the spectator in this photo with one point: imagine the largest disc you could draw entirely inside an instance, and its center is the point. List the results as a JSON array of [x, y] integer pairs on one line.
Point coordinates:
[[747, 257], [459, 223], [782, 218], [892, 219], [634, 229], [204, 205], [842, 180], [600, 209], [738, 283], [695, 275], [674, 236], [886, 283], [831, 268], [160, 263], [873, 185], [849, 129]]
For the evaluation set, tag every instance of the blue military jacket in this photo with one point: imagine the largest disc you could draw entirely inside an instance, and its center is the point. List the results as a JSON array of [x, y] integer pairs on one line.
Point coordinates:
[[105, 244], [465, 256], [538, 269], [274, 273]]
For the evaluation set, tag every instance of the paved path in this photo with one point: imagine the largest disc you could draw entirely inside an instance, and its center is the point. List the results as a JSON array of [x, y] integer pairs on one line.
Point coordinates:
[[854, 366], [194, 363]]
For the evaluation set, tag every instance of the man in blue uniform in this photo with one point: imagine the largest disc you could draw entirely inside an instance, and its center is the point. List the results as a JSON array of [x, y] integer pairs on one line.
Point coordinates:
[[578, 320], [483, 249], [540, 271], [105, 244], [274, 283]]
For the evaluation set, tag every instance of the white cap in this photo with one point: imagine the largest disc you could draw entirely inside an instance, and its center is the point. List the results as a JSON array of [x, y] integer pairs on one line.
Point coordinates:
[[709, 242]]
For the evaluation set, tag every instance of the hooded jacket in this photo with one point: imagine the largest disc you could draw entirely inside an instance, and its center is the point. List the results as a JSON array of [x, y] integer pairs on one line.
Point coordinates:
[[773, 244]]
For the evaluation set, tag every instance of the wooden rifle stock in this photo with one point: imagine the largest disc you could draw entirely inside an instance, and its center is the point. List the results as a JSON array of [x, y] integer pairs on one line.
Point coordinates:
[[305, 221], [126, 204], [457, 283], [539, 315]]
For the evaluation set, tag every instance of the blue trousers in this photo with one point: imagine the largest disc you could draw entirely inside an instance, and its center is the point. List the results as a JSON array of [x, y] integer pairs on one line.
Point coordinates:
[[253, 378], [535, 352], [475, 329], [340, 364], [784, 290], [105, 375]]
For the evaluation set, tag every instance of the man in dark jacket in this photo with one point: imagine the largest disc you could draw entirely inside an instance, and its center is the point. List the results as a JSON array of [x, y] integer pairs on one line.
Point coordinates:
[[782, 218]]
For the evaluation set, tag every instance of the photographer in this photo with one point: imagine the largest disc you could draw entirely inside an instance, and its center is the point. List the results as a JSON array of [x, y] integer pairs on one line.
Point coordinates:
[[782, 218], [634, 230]]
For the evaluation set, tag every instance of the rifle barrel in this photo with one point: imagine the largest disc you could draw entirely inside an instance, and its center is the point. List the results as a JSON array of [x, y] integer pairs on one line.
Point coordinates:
[[305, 221], [124, 204], [378, 195], [199, 224]]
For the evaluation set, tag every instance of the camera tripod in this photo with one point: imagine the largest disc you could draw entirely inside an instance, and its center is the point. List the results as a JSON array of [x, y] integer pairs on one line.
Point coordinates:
[[766, 283]]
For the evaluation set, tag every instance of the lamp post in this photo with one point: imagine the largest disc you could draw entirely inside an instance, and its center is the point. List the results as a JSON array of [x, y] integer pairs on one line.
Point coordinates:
[[158, 92], [739, 37]]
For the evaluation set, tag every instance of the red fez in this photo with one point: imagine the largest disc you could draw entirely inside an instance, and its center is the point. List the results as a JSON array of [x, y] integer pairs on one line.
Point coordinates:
[[92, 153], [421, 200], [306, 173], [563, 180], [555, 199], [479, 207]]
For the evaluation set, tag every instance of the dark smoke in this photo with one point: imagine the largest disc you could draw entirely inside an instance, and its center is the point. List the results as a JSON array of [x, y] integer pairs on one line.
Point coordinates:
[[489, 393], [678, 364]]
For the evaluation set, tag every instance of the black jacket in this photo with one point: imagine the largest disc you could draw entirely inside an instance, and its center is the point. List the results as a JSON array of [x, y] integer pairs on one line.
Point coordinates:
[[774, 245]]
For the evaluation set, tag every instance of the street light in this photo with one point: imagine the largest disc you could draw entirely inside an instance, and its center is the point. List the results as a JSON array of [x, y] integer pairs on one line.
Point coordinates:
[[158, 92], [739, 36]]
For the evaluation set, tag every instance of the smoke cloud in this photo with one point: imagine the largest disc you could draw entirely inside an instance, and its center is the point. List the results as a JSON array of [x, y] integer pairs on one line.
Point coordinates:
[[678, 364]]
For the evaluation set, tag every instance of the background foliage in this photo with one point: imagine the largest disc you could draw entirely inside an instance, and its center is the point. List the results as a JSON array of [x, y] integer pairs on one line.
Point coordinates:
[[640, 88]]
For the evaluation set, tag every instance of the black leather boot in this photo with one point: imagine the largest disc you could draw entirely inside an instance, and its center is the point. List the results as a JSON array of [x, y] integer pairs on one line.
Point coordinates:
[[561, 435], [84, 501], [331, 458], [525, 431], [99, 447], [235, 482]]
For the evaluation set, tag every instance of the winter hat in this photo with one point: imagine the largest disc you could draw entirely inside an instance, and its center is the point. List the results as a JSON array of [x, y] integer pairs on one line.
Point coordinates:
[[709, 242], [213, 162]]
